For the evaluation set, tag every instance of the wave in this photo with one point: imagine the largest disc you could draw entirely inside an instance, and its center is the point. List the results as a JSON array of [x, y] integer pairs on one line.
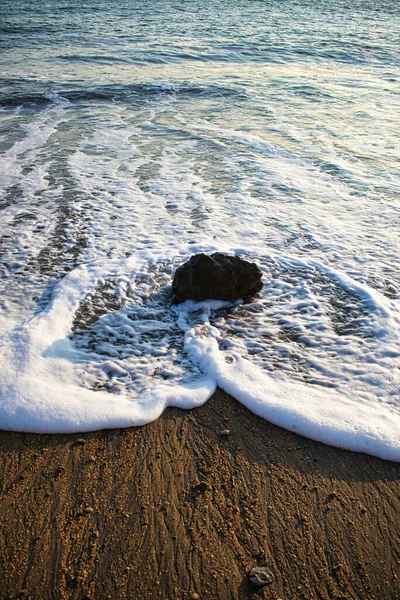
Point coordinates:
[[144, 91], [92, 58], [26, 93]]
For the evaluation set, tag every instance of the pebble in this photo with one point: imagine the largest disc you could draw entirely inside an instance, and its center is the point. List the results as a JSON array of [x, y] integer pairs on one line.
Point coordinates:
[[260, 577], [92, 459], [194, 596], [225, 432]]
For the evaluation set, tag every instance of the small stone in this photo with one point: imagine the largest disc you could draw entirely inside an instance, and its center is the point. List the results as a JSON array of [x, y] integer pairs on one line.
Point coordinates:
[[225, 432], [259, 577], [88, 510], [194, 596], [80, 441], [92, 459]]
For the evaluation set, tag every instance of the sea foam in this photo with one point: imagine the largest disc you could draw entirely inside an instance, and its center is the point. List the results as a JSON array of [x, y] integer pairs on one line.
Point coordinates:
[[109, 350]]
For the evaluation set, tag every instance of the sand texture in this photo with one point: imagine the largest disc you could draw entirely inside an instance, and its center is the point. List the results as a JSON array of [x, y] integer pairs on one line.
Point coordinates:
[[184, 507]]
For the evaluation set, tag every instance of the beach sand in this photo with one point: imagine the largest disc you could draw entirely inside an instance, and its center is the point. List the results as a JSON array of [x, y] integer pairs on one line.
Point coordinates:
[[181, 509]]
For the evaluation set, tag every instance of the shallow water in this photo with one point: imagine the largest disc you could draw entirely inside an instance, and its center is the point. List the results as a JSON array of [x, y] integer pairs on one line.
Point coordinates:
[[132, 137]]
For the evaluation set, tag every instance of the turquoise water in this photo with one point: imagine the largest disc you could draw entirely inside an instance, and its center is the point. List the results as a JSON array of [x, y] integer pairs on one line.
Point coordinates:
[[133, 135]]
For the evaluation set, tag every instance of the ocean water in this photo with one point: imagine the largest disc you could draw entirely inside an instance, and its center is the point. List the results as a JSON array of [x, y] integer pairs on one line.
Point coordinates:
[[135, 134]]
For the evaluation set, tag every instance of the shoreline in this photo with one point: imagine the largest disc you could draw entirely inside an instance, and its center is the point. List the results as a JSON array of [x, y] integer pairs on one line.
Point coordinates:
[[181, 509]]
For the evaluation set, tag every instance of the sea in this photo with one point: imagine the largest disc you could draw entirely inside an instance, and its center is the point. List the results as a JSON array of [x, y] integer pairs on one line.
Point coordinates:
[[135, 134]]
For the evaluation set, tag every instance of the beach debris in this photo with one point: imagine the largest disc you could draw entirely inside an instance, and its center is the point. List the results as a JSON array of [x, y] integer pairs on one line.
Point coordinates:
[[217, 276], [225, 432], [259, 577]]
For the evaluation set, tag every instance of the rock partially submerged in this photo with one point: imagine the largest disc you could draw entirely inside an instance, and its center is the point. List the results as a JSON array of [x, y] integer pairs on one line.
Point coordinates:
[[217, 276]]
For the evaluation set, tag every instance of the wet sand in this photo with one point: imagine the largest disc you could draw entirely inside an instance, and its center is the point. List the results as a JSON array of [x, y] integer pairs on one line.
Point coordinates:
[[184, 507]]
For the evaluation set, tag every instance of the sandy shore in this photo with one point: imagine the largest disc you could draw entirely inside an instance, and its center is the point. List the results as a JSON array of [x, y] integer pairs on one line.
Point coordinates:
[[182, 509]]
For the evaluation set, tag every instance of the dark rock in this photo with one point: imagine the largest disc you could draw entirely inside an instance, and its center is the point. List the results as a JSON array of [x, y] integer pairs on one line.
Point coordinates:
[[260, 577], [217, 276]]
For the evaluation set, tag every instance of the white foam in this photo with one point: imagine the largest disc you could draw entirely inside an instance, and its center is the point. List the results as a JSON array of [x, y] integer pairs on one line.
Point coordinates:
[[320, 414], [57, 380], [41, 389], [363, 418]]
